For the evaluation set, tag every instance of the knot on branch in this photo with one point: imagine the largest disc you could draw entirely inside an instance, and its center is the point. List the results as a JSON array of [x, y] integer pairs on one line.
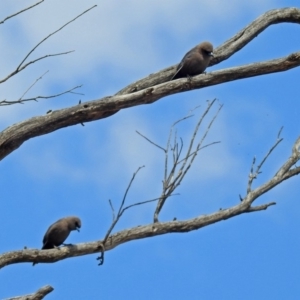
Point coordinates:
[[148, 91]]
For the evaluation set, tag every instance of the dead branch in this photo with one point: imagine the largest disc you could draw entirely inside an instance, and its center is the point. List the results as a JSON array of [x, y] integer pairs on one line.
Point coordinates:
[[50, 256], [14, 136], [33, 84], [124, 236], [19, 12], [21, 101], [172, 179], [159, 147], [121, 210], [227, 49], [21, 67], [38, 295], [253, 175], [116, 218]]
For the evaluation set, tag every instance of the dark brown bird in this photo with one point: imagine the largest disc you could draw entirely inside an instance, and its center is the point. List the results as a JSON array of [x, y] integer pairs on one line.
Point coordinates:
[[58, 232], [195, 61]]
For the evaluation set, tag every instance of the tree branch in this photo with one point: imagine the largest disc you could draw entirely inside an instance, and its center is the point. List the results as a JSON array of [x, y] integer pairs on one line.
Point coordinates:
[[121, 237], [231, 46], [155, 229], [21, 67], [14, 136], [19, 12], [21, 101], [40, 294]]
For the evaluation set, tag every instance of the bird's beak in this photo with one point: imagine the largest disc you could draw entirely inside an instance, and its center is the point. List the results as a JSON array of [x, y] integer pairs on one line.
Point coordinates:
[[77, 229]]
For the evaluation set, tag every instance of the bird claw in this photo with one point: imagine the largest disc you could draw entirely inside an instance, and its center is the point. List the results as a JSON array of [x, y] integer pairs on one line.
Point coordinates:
[[101, 259], [189, 78]]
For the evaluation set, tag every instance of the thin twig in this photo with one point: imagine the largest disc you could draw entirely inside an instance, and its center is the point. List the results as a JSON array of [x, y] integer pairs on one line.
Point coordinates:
[[48, 36], [166, 177], [112, 209], [184, 171], [143, 202], [19, 12], [20, 67], [267, 155], [210, 104], [33, 84], [260, 207], [121, 206], [205, 146], [115, 219], [173, 179], [150, 141], [279, 133], [70, 91], [251, 176]]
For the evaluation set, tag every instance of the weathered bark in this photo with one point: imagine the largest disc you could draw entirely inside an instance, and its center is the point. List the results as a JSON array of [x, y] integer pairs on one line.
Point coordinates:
[[124, 236], [14, 136], [286, 171], [39, 295], [227, 49]]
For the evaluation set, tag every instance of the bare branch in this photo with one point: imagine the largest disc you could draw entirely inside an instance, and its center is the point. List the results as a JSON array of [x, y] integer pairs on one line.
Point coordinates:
[[185, 168], [19, 12], [121, 237], [197, 150], [115, 219], [20, 67], [54, 32], [40, 294], [13, 137], [21, 101], [32, 85], [260, 207], [172, 179], [227, 49], [251, 176], [150, 141], [267, 155], [210, 104], [120, 212], [112, 210], [140, 232], [143, 202], [280, 130]]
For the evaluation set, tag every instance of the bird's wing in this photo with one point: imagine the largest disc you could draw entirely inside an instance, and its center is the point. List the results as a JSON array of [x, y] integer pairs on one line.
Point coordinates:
[[53, 230], [184, 59]]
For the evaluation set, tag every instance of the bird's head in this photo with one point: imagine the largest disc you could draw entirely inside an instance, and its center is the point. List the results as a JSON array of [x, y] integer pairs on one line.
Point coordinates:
[[206, 48], [74, 223]]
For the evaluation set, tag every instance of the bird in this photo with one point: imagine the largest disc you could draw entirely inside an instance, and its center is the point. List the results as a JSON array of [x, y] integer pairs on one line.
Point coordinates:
[[195, 61], [58, 232]]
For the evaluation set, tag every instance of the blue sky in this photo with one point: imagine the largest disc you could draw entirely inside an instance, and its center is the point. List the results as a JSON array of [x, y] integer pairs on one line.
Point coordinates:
[[74, 171]]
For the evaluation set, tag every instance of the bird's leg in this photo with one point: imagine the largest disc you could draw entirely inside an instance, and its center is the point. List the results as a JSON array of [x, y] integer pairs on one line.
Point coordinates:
[[101, 257], [189, 81]]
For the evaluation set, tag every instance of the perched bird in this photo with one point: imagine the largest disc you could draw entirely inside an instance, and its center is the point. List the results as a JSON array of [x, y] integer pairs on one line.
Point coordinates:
[[195, 61], [59, 231]]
